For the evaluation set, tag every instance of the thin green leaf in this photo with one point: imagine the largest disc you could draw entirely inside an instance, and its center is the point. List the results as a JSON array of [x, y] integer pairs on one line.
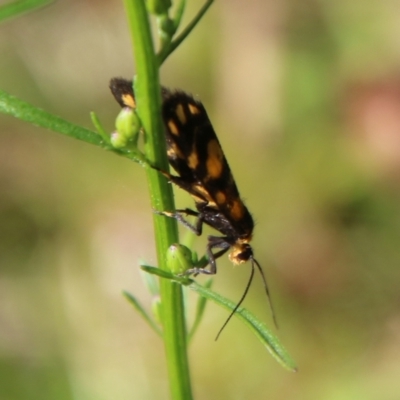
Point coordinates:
[[150, 281], [200, 308], [16, 8], [180, 8], [164, 53], [256, 326], [183, 280], [138, 307], [17, 108], [99, 128]]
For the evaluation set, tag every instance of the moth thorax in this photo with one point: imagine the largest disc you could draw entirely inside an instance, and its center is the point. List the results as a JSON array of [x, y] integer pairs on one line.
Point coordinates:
[[241, 252]]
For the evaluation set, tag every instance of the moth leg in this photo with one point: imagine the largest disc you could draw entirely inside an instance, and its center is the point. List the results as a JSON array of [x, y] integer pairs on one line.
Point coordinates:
[[183, 183], [213, 242], [188, 211], [197, 228], [216, 242]]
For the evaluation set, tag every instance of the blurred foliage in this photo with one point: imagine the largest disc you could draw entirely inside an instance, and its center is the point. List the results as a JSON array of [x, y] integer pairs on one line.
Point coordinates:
[[305, 97]]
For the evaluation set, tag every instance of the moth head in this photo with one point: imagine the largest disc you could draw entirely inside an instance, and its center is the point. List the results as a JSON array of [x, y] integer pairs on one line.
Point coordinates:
[[241, 252]]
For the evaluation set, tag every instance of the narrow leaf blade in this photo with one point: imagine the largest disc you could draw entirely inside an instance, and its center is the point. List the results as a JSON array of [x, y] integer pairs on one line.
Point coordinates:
[[136, 304], [256, 326]]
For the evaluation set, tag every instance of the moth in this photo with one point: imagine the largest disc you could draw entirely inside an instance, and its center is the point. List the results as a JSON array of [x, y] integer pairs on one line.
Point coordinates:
[[195, 153]]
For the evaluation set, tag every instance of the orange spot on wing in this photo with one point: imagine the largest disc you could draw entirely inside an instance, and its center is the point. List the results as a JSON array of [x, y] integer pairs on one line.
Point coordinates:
[[174, 151], [180, 113], [193, 109], [220, 197], [129, 100], [214, 159], [173, 128], [237, 210], [193, 160]]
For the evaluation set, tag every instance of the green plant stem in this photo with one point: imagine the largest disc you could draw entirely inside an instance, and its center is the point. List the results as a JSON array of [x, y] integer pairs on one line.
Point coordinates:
[[148, 98]]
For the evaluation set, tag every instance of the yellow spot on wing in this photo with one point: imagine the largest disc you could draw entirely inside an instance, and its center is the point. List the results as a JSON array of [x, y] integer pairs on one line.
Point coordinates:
[[180, 113], [174, 151], [214, 159], [202, 193], [173, 128], [193, 109], [193, 160], [129, 100], [220, 197], [237, 210]]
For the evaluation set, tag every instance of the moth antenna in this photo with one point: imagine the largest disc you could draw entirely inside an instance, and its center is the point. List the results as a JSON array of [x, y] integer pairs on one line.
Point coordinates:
[[254, 261], [239, 303]]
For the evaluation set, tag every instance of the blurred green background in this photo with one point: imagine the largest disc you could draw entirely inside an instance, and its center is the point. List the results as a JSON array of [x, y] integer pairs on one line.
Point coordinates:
[[305, 97]]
